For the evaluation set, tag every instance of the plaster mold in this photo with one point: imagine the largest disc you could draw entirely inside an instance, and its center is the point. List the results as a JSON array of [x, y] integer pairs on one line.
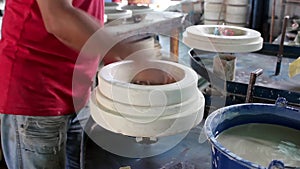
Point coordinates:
[[105, 18], [138, 12], [214, 11], [237, 2], [239, 40], [214, 15], [113, 14], [235, 18], [236, 24], [147, 110], [213, 7], [110, 5], [137, 9], [214, 1]]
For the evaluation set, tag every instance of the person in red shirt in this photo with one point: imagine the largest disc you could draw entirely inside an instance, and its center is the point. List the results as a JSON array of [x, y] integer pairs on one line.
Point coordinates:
[[45, 83], [39, 48]]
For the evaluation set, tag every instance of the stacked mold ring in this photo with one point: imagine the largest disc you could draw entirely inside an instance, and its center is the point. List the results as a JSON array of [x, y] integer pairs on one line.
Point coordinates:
[[237, 12], [222, 38], [138, 12], [214, 12], [147, 110]]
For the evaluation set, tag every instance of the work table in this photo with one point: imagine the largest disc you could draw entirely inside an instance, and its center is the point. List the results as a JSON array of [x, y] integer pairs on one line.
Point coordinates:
[[159, 23]]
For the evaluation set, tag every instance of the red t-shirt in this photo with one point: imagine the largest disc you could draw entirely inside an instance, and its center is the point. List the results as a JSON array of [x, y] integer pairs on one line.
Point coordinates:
[[36, 69]]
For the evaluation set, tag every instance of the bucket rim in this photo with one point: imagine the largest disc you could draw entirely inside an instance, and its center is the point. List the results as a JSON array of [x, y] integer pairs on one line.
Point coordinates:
[[211, 119]]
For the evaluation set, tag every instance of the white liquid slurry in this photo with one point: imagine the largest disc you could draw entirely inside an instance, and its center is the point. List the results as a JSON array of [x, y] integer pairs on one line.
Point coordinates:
[[262, 143]]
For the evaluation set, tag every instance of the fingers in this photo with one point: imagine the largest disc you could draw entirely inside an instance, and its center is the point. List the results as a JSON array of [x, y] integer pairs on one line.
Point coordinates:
[[153, 77]]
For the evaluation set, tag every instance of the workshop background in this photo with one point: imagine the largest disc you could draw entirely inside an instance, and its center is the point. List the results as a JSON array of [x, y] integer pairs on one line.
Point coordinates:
[[267, 75]]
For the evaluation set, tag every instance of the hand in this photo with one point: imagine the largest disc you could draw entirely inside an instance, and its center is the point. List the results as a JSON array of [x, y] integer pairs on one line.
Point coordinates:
[[153, 76]]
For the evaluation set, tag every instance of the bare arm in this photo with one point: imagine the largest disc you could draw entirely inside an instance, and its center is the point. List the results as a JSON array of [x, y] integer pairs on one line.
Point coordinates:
[[74, 27], [69, 24]]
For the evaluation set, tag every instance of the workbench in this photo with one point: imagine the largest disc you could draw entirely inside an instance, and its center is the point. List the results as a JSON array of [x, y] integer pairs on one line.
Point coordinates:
[[190, 153], [158, 23]]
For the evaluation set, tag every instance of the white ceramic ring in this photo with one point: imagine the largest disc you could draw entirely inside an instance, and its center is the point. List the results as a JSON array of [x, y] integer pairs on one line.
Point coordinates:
[[237, 2], [138, 9], [214, 7], [113, 14], [239, 10], [235, 18], [213, 22], [114, 83], [219, 47], [150, 111], [163, 126], [206, 33]]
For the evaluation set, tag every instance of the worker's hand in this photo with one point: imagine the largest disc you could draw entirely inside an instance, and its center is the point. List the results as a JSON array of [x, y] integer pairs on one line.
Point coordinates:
[[153, 76]]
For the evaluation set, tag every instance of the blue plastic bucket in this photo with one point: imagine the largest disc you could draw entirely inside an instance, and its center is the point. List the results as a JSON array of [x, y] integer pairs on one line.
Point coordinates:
[[234, 115]]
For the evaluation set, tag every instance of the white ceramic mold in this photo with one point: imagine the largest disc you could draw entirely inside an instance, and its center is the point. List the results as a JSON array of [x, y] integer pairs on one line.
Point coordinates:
[[213, 22], [214, 15], [223, 47], [110, 5], [206, 33], [238, 10], [202, 37], [114, 83], [143, 127], [147, 110], [214, 1], [214, 7], [237, 2]]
